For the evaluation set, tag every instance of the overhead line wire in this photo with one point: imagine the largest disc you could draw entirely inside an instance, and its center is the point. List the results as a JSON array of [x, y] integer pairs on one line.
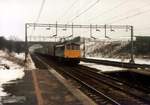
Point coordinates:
[[39, 14], [128, 12], [109, 10], [97, 1], [40, 11], [131, 16], [70, 7]]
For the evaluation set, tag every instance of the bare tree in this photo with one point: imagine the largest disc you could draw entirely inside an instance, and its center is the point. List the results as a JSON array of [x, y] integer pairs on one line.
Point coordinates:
[[2, 43]]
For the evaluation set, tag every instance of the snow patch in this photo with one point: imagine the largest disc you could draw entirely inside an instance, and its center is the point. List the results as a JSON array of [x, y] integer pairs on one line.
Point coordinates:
[[102, 68], [20, 56], [137, 60], [29, 65], [14, 72], [2, 53]]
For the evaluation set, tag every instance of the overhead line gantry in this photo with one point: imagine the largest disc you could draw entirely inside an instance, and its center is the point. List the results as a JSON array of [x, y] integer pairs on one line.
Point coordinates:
[[105, 27]]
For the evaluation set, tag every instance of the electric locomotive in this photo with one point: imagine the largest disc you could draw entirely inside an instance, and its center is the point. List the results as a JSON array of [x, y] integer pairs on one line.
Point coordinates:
[[68, 52]]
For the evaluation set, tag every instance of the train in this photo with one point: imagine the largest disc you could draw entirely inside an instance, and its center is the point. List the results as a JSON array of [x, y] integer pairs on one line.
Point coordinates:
[[67, 52]]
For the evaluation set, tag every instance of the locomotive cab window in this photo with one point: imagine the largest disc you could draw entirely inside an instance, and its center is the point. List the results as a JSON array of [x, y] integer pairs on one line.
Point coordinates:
[[68, 46], [75, 47], [72, 47]]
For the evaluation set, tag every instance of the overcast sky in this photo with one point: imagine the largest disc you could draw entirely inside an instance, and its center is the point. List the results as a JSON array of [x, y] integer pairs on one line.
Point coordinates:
[[15, 13]]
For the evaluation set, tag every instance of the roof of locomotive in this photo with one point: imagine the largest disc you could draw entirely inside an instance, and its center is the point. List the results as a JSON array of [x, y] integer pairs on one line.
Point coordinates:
[[74, 41]]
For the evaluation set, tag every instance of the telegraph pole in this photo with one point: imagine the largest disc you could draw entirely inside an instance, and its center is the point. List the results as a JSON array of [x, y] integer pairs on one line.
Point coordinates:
[[56, 28], [72, 30], [26, 42], [84, 48], [132, 48], [105, 30]]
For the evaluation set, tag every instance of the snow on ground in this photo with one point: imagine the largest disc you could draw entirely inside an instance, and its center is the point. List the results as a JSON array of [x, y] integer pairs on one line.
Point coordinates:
[[104, 47], [137, 60], [29, 65], [2, 53], [14, 72], [20, 55], [16, 65], [102, 68]]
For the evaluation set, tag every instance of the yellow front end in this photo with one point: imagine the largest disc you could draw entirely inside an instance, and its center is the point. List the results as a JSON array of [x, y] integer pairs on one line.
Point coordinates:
[[72, 54]]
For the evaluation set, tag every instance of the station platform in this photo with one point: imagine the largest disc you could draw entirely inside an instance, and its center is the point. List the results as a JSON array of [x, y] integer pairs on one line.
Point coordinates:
[[43, 87]]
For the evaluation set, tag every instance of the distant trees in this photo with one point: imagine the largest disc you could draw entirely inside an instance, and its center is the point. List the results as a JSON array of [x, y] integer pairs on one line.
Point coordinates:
[[18, 46], [3, 42], [12, 45]]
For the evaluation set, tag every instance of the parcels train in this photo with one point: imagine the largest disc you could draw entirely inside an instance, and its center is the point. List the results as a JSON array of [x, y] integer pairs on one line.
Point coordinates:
[[63, 52]]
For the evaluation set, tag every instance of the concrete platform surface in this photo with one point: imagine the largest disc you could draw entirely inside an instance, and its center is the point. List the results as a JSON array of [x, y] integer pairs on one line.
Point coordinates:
[[52, 91]]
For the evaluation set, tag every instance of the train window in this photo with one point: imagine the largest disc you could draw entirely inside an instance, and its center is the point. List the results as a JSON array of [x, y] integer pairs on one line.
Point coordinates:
[[67, 47], [72, 47], [75, 47]]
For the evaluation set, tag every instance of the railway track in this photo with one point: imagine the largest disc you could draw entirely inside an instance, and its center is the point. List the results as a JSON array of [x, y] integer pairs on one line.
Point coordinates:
[[131, 96], [98, 96], [139, 93], [101, 89], [119, 80]]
